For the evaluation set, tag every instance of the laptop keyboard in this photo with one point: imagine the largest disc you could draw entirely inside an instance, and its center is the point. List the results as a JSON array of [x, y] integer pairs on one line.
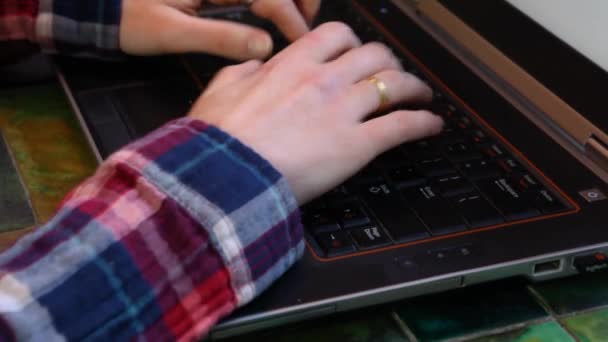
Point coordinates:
[[462, 180]]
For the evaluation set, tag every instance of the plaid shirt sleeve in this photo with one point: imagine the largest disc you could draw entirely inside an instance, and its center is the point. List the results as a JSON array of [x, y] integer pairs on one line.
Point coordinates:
[[76, 27], [172, 233]]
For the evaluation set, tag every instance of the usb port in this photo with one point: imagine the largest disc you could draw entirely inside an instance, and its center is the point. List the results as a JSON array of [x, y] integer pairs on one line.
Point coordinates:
[[548, 267]]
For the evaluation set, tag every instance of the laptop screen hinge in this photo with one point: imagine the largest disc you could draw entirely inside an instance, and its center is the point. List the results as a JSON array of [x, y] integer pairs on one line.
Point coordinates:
[[413, 4], [597, 150]]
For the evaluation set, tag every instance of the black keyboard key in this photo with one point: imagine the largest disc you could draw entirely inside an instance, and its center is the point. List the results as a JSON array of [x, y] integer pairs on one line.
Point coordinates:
[[335, 243], [320, 220], [476, 210], [464, 122], [450, 135], [509, 165], [339, 194], [478, 136], [390, 159], [436, 167], [493, 151], [421, 150], [453, 185], [461, 152], [406, 176], [369, 174], [351, 215], [446, 110], [480, 169], [527, 182], [393, 213], [420, 195], [407, 227], [438, 98], [440, 217], [370, 236], [547, 202], [506, 196]]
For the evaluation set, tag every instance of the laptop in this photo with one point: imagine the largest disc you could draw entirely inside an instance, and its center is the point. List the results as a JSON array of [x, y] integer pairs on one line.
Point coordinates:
[[515, 185]]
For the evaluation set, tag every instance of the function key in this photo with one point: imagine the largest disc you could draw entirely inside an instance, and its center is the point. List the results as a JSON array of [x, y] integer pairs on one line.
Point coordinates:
[[335, 243], [370, 237]]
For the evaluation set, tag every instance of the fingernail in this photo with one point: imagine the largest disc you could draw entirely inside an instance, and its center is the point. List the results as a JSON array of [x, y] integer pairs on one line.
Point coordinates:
[[259, 46]]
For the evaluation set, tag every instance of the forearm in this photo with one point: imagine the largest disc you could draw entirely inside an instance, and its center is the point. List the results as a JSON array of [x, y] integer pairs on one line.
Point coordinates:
[[169, 235], [85, 27]]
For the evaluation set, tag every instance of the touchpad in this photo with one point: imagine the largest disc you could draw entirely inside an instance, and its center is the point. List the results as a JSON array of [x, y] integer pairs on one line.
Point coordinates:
[[147, 107], [119, 115]]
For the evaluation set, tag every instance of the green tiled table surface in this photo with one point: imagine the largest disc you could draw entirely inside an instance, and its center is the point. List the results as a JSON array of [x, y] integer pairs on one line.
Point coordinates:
[[43, 155]]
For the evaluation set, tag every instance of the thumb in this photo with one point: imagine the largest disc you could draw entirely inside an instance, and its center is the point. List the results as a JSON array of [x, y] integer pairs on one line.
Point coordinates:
[[172, 31]]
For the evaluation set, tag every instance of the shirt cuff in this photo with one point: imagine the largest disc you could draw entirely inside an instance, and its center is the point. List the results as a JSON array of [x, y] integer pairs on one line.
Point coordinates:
[[82, 28], [243, 202], [171, 234]]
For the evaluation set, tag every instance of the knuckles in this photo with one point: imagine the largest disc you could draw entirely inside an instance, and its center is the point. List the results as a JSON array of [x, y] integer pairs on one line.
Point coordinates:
[[333, 30], [383, 54]]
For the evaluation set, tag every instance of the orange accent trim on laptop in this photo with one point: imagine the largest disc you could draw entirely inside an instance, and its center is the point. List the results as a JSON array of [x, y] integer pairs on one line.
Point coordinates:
[[398, 44]]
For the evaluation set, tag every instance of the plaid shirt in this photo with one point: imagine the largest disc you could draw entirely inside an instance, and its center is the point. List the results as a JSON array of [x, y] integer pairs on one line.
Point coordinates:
[[172, 233], [77, 27]]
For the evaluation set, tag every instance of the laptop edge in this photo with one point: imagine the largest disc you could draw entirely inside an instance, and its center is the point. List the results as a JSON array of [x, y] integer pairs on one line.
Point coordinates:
[[568, 128]]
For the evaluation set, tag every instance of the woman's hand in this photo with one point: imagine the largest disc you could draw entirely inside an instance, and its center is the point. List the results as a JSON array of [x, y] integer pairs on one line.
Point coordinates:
[[305, 109], [171, 26]]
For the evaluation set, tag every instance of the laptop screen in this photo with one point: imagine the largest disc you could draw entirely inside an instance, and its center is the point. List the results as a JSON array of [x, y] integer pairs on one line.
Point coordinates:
[[581, 24]]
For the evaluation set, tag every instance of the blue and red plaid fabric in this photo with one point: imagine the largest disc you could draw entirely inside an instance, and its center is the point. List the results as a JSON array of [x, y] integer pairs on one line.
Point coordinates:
[[75, 27], [169, 235]]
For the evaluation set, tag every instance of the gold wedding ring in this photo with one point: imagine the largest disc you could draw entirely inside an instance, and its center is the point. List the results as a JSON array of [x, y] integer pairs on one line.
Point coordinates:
[[382, 92]]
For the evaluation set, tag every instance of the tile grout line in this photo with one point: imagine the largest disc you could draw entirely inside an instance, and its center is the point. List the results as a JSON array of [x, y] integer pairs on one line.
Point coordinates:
[[403, 327], [541, 300], [584, 311], [18, 171]]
